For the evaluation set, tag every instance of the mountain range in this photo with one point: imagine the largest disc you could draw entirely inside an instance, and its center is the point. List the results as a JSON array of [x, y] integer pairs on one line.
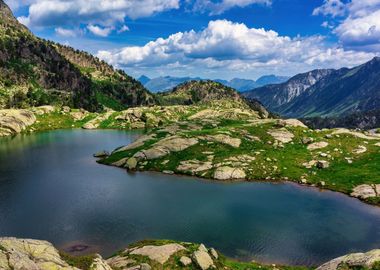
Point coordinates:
[[324, 92], [162, 84]]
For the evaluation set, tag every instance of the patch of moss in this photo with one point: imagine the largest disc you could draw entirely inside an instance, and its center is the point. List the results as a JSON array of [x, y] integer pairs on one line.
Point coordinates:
[[81, 262]]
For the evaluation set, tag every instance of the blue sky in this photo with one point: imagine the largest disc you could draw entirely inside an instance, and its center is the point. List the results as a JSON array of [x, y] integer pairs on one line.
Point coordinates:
[[211, 38]]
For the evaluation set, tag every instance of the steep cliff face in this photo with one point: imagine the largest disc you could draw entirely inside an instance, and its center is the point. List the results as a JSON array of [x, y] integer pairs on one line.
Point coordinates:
[[325, 92], [37, 72], [276, 95]]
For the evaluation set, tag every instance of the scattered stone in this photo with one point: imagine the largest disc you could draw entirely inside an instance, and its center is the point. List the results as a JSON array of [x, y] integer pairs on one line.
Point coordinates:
[[120, 163], [194, 166], [281, 135], [120, 262], [165, 147], [168, 172], [99, 264], [229, 173], [185, 261], [317, 145], [355, 134], [101, 154], [66, 109], [131, 163], [323, 164], [30, 254], [160, 254], [291, 123], [214, 253], [360, 150], [145, 266], [365, 191], [138, 143], [356, 260], [202, 258], [43, 109], [307, 140], [222, 138]]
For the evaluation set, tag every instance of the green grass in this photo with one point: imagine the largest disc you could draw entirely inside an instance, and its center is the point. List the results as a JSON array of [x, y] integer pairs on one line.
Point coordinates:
[[81, 262], [278, 163]]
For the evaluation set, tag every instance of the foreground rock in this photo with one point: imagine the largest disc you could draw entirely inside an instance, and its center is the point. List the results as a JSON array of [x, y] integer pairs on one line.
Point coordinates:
[[354, 261], [229, 173], [14, 121], [366, 191], [165, 147], [27, 254], [159, 254]]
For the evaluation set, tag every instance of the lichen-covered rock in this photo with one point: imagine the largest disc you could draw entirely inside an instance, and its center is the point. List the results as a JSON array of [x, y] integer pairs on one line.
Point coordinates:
[[323, 164], [291, 123], [281, 135], [357, 134], [165, 147], [121, 262], [27, 254], [317, 145], [360, 150], [222, 138], [185, 261], [194, 166], [159, 254], [229, 173], [43, 109], [138, 143], [100, 264], [202, 258], [366, 191], [365, 260]]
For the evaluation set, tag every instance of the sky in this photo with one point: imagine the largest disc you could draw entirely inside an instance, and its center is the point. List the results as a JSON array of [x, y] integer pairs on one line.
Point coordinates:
[[212, 39]]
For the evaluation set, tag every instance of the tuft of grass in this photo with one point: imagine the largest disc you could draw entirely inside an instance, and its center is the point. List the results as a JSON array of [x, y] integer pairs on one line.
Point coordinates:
[[81, 262]]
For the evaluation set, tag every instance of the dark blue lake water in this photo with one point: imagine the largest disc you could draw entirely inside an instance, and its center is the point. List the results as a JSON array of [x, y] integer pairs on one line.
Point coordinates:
[[51, 188]]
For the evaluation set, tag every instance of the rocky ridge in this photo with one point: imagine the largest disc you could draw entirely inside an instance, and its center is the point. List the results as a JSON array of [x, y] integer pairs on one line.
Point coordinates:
[[28, 254]]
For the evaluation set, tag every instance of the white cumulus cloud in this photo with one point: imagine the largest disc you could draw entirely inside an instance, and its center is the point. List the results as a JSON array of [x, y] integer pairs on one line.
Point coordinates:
[[234, 46], [47, 13], [360, 28], [218, 7], [99, 31], [66, 32]]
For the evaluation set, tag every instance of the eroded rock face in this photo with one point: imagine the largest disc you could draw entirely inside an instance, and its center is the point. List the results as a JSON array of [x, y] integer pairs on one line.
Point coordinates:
[[353, 260], [229, 173], [22, 254], [160, 254], [14, 121]]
